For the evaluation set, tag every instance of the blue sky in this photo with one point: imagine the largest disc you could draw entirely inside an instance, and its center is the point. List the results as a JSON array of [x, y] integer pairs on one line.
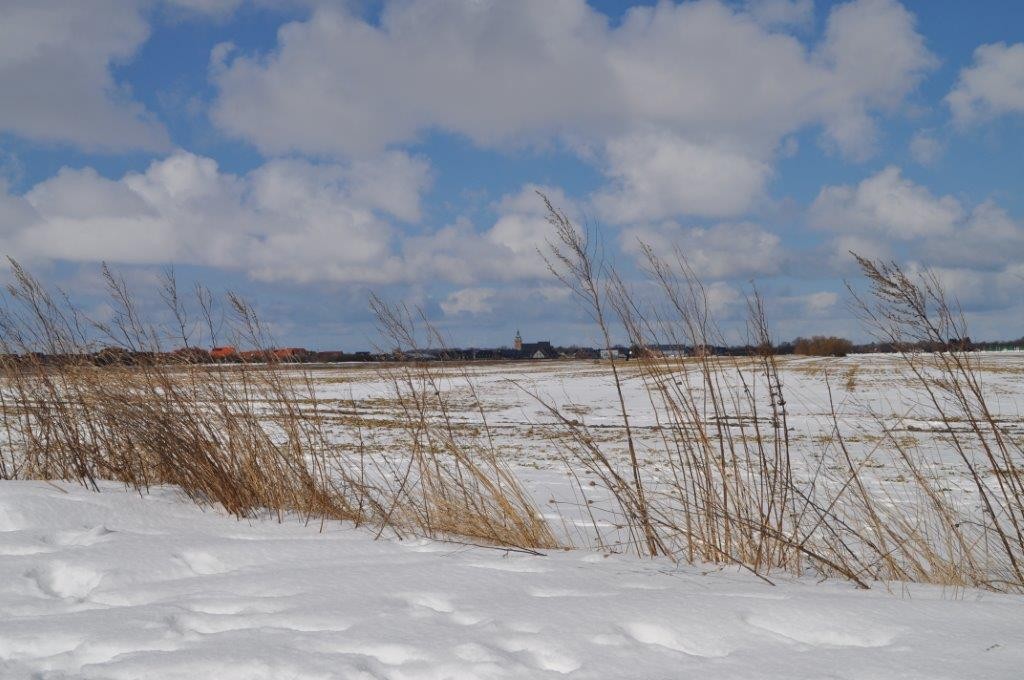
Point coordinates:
[[306, 153]]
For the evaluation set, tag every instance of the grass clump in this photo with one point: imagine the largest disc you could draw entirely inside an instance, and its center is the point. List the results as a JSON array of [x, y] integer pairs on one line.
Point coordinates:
[[734, 493], [85, 401]]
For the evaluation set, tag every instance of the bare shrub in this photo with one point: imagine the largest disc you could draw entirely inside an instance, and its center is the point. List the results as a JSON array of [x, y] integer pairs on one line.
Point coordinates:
[[822, 346]]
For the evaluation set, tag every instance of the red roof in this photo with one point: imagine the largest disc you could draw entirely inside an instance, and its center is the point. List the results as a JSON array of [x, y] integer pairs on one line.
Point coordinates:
[[223, 352]]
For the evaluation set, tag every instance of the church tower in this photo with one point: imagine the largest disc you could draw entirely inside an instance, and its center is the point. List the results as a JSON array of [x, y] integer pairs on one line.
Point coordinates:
[[518, 342]]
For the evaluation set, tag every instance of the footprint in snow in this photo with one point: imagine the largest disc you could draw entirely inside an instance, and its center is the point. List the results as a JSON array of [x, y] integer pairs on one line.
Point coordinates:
[[232, 607], [437, 604], [563, 592], [432, 601], [663, 636], [476, 653], [818, 632], [11, 520], [391, 654], [22, 549], [69, 581], [202, 563], [523, 566], [544, 655], [87, 537]]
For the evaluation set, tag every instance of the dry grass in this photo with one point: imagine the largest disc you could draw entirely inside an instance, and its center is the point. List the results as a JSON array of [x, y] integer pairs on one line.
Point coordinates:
[[248, 437], [733, 494], [253, 438]]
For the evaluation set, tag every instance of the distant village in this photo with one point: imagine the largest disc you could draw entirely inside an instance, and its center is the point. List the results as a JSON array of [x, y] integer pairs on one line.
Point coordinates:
[[229, 354], [541, 350]]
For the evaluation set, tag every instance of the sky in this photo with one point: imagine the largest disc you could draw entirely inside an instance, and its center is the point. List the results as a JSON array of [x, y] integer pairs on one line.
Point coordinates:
[[308, 153]]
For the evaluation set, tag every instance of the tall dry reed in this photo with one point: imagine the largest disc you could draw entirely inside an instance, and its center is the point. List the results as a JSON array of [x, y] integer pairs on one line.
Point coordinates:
[[87, 401], [733, 493]]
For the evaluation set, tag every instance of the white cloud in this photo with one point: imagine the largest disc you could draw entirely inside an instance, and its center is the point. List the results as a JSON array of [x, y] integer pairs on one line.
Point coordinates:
[[338, 84], [511, 249], [500, 72], [875, 51], [989, 239], [976, 255], [683, 105], [288, 219], [468, 301], [722, 298], [820, 303], [885, 203], [55, 60], [841, 247], [876, 57], [728, 250], [977, 290], [775, 14], [218, 8], [925, 148], [659, 175], [15, 214], [992, 86]]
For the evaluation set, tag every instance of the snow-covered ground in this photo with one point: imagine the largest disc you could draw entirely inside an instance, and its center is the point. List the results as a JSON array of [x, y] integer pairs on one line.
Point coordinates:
[[863, 388], [113, 585], [872, 395]]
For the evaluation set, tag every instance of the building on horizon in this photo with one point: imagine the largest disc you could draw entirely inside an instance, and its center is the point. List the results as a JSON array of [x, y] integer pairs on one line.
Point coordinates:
[[533, 350]]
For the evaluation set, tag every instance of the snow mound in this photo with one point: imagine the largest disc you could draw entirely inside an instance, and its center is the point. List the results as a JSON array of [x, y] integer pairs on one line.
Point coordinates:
[[116, 586]]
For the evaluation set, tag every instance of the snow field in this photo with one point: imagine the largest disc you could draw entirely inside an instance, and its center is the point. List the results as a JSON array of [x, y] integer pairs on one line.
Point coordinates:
[[113, 585]]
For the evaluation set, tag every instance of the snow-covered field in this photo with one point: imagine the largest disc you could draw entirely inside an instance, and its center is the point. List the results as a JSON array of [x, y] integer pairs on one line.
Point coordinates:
[[114, 585], [868, 393], [864, 388]]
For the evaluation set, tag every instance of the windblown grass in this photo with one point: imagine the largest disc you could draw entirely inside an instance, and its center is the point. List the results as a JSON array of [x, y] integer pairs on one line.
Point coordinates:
[[733, 493], [249, 437], [723, 482]]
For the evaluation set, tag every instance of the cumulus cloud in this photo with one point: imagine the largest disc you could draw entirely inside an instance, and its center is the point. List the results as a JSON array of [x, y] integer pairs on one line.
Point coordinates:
[[820, 303], [782, 13], [886, 203], [287, 219], [976, 253], [468, 301], [15, 212], [682, 105], [339, 84], [510, 249], [722, 251], [219, 8], [499, 72], [722, 298], [992, 86], [875, 51], [978, 290], [841, 247], [55, 61], [876, 57], [995, 240], [925, 148], [655, 176]]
